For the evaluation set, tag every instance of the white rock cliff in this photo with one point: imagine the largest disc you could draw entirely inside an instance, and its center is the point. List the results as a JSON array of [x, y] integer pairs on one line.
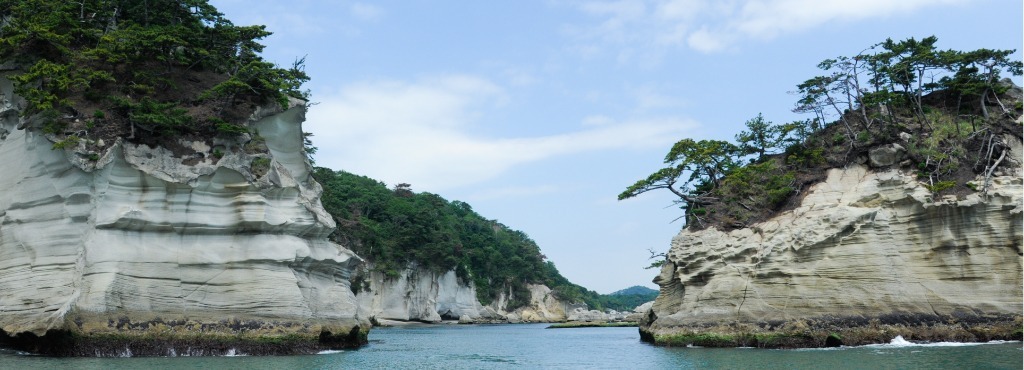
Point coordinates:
[[137, 241], [864, 248], [419, 294]]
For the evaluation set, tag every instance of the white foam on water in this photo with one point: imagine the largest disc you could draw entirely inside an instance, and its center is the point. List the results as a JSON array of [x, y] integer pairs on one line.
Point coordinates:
[[899, 342], [234, 353], [329, 352]]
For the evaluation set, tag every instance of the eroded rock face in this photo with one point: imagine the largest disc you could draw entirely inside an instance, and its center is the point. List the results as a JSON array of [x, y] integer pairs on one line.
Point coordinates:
[[419, 294], [863, 250], [543, 306], [136, 245]]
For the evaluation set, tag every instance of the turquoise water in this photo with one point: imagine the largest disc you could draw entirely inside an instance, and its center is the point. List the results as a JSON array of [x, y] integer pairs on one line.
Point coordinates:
[[534, 347]]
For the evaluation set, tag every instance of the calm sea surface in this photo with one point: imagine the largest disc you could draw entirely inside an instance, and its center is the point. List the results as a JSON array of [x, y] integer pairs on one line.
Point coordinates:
[[534, 347]]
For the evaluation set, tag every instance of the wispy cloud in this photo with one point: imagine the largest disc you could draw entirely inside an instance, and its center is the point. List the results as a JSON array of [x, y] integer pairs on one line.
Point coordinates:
[[426, 133], [366, 12], [649, 28]]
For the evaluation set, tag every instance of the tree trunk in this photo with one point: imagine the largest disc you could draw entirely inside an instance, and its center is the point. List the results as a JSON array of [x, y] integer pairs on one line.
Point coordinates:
[[984, 111]]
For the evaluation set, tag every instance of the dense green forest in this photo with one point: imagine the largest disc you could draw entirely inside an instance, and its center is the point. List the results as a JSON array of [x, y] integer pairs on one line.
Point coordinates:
[[397, 227], [948, 109], [100, 69]]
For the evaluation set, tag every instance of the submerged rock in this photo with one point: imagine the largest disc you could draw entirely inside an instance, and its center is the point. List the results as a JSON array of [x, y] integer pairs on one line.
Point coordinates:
[[133, 251], [867, 255]]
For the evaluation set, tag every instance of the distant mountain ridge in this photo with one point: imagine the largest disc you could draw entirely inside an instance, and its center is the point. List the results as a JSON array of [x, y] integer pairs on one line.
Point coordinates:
[[636, 290]]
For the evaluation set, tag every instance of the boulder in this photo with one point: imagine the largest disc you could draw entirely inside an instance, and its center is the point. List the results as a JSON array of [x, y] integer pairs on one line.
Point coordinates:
[[886, 155]]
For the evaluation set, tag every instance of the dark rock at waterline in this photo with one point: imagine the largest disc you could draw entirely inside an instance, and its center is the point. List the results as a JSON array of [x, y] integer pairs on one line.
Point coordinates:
[[131, 344], [832, 331]]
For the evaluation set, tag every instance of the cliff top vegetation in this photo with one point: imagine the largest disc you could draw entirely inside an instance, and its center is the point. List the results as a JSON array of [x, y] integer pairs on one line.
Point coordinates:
[[948, 109], [142, 70]]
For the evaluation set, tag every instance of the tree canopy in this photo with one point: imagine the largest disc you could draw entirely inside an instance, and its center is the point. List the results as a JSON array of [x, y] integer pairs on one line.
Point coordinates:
[[138, 68], [944, 97]]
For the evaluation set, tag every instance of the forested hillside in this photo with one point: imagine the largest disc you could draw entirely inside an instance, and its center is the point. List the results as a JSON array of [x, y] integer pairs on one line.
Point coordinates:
[[396, 227]]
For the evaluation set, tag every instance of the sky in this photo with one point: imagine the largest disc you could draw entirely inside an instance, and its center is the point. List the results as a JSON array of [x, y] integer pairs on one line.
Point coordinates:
[[539, 113]]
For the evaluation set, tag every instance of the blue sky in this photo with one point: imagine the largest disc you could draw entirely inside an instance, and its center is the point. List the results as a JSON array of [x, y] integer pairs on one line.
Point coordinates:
[[538, 113]]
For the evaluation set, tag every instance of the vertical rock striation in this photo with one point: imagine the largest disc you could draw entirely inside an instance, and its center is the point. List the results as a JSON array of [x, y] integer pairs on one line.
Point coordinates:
[[419, 294], [133, 251], [866, 256]]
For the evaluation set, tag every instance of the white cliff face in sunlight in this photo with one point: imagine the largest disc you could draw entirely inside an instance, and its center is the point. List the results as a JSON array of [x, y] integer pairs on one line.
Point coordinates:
[[862, 244], [140, 235], [418, 294]]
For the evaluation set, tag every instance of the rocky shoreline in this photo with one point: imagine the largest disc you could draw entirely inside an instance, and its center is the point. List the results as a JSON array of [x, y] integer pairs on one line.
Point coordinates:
[[830, 331], [188, 339]]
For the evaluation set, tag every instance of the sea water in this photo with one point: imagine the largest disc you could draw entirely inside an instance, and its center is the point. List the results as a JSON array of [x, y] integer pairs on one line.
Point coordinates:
[[531, 346]]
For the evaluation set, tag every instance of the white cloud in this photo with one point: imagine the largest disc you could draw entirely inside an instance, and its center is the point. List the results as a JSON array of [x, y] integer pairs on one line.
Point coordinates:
[[645, 29], [706, 41], [426, 133], [769, 19], [366, 12]]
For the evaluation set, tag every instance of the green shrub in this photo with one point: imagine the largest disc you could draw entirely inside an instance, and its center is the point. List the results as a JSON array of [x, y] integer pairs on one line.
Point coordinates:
[[940, 186], [800, 156], [838, 138], [260, 165], [230, 129], [863, 136], [69, 142]]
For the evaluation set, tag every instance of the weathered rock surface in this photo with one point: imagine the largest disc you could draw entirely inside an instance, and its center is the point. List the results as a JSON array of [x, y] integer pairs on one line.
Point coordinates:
[[639, 311], [543, 306], [886, 155], [418, 294], [137, 252], [863, 251]]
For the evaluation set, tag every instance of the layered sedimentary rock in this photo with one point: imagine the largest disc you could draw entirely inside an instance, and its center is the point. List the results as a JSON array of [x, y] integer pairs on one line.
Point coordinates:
[[137, 250], [419, 294], [867, 255], [543, 306]]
